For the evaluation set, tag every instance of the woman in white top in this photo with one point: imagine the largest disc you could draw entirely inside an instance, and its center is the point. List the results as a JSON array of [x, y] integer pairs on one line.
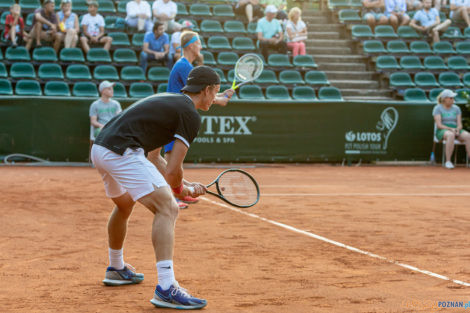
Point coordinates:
[[139, 14], [68, 24], [296, 32]]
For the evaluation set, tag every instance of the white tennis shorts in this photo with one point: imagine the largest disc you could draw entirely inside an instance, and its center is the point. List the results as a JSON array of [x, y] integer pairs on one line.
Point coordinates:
[[131, 172]]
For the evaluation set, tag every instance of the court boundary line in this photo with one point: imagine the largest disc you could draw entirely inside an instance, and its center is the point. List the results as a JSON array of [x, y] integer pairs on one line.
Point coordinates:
[[358, 194], [338, 244]]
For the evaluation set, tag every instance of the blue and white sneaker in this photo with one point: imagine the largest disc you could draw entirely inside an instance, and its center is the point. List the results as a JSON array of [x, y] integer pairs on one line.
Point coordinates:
[[126, 276], [176, 297]]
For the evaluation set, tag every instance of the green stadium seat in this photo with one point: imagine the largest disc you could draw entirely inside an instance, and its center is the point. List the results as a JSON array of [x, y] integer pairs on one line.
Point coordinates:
[[303, 93], [199, 9], [397, 47], [279, 60], [77, 71], [224, 87], [203, 42], [26, 87], [181, 9], [120, 39], [230, 75], [98, 55], [211, 26], [461, 98], [434, 63], [29, 20], [243, 44], [277, 92], [44, 54], [420, 47], [401, 80], [124, 55], [335, 4], [425, 80], [208, 58], [22, 70], [466, 79], [5, 87], [449, 80], [80, 6], [355, 3], [105, 72], [158, 74], [56, 89], [385, 31], [349, 16], [50, 71], [463, 47], [251, 92], [218, 42], [138, 39], [452, 33], [234, 27], [267, 77], [361, 32], [162, 87], [317, 78], [29, 4], [1, 55], [329, 94], [443, 47], [5, 4], [227, 58], [290, 77], [306, 61], [106, 6], [411, 63], [122, 7], [373, 47], [85, 89], [3, 71], [433, 93], [71, 55], [223, 10], [458, 63], [3, 17], [415, 95], [251, 28], [221, 74], [386, 63], [466, 32], [119, 90], [132, 72], [17, 54], [407, 32], [141, 90], [114, 23]]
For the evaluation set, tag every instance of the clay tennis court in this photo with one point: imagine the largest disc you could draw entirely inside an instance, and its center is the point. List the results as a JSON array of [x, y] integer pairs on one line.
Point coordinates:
[[53, 252]]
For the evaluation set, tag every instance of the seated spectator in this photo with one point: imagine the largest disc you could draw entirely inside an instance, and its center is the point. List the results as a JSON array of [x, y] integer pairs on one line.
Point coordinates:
[[175, 42], [448, 119], [296, 32], [270, 33], [459, 10], [373, 13], [395, 11], [164, 11], [68, 24], [249, 8], [14, 27], [138, 14], [45, 26], [280, 5], [429, 21], [156, 47], [103, 109], [93, 29]]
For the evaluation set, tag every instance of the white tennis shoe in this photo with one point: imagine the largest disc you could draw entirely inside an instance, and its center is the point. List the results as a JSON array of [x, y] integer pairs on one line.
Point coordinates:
[[449, 165]]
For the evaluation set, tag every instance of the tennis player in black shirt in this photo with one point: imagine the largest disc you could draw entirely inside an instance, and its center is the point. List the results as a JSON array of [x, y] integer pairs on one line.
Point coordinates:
[[127, 155]]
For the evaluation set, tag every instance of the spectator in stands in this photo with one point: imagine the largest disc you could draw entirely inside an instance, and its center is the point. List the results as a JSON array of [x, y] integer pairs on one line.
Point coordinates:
[[373, 12], [93, 29], [68, 24], [164, 11], [296, 32], [14, 27], [429, 21], [156, 47], [139, 15], [175, 42], [103, 109], [45, 26], [280, 5], [249, 8], [448, 119], [459, 10], [270, 35], [395, 11]]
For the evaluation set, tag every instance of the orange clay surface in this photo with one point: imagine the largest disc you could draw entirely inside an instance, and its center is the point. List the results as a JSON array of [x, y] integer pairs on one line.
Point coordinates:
[[53, 248]]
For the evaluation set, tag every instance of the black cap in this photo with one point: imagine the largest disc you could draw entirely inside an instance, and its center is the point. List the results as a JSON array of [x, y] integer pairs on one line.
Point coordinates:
[[201, 77]]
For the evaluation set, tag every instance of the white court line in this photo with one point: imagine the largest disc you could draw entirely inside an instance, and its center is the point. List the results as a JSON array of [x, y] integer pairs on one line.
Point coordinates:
[[339, 244], [381, 194]]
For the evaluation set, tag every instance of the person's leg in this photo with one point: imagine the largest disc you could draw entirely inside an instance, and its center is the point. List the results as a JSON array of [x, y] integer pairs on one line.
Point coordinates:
[[143, 61], [281, 47], [31, 38], [463, 13], [440, 28], [58, 38], [393, 21], [291, 46], [302, 48], [13, 36], [370, 19], [84, 43], [382, 19], [117, 223], [264, 47], [449, 137], [464, 137], [107, 41], [70, 40], [404, 19], [249, 12], [37, 33]]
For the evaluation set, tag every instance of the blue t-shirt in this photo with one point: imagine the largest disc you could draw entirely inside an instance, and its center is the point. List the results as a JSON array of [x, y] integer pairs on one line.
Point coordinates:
[[268, 29], [156, 44], [179, 75], [426, 18]]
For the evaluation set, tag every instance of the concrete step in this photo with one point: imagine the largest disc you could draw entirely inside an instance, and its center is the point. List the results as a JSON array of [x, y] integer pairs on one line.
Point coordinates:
[[367, 93], [340, 75], [325, 27], [327, 42], [329, 50], [365, 98], [314, 12], [359, 84], [353, 58], [324, 35], [316, 19], [341, 67]]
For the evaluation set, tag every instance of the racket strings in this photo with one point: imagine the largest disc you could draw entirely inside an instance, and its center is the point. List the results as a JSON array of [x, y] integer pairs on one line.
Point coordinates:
[[238, 188]]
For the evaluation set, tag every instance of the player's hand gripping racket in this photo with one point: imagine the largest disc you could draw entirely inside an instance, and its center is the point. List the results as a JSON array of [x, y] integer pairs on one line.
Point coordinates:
[[236, 187], [247, 69]]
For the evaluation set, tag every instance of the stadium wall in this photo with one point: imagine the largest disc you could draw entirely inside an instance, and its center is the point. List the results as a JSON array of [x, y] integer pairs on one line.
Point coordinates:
[[57, 129]]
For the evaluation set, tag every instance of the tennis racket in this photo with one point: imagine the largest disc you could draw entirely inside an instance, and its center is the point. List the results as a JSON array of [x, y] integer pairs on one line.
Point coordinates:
[[247, 69], [236, 187]]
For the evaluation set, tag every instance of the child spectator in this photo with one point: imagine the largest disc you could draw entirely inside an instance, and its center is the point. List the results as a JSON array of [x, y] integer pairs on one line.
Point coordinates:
[[139, 15], [103, 109], [68, 24], [45, 26], [93, 29], [270, 33], [156, 47], [429, 21], [14, 27], [296, 32]]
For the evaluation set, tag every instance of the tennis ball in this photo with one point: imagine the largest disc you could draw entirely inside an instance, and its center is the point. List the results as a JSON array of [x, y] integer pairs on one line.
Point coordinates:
[[222, 189]]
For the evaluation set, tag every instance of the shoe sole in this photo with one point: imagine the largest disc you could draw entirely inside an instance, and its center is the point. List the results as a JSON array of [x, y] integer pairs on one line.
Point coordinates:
[[115, 282], [163, 304]]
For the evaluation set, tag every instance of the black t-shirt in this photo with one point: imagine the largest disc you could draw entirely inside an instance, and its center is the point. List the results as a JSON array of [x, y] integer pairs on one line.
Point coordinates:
[[151, 123]]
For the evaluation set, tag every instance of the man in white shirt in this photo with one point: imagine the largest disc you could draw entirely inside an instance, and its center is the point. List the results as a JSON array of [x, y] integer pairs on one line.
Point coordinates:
[[395, 11], [164, 12], [93, 29], [459, 10], [139, 15]]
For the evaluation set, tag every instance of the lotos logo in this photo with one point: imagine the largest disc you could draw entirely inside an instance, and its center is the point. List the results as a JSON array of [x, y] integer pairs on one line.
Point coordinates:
[[350, 136], [226, 125], [363, 136]]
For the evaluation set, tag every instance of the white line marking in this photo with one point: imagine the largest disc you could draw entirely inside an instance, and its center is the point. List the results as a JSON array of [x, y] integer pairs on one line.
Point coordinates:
[[366, 194], [339, 244]]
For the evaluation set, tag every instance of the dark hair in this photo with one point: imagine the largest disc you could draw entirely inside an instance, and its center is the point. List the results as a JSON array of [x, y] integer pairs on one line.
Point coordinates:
[[156, 25]]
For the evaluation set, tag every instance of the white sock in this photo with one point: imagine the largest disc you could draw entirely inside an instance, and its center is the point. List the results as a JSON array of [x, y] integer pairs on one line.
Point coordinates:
[[166, 275], [116, 259]]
